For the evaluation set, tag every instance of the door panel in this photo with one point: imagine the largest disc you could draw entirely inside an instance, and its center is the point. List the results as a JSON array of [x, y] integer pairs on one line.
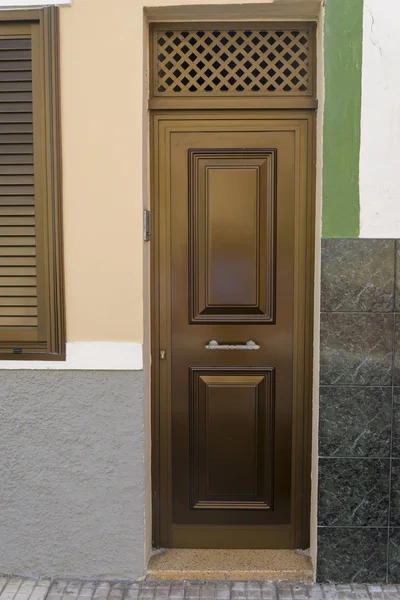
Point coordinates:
[[232, 252], [227, 406], [231, 233]]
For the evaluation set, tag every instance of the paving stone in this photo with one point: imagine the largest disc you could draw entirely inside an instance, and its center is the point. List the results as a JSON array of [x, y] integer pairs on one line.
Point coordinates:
[[102, 590], [254, 586], [39, 593], [87, 590], [269, 591], [10, 589], [208, 590], [27, 587], [73, 587], [329, 592], [144, 594], [223, 590], [314, 591], [360, 592], [132, 591], [58, 587], [52, 596]]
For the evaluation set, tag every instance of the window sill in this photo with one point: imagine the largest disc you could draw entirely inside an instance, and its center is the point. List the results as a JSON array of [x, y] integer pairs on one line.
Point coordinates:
[[6, 4], [87, 356]]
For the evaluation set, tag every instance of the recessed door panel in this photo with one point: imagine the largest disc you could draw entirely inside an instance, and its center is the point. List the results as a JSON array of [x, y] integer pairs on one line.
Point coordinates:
[[232, 235], [231, 442]]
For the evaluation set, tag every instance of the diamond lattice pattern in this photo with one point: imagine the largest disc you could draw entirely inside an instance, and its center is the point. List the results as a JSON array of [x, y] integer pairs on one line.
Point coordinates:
[[233, 61]]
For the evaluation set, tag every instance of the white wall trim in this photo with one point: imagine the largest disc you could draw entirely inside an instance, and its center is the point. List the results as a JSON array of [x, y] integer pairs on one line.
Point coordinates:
[[32, 3], [88, 356]]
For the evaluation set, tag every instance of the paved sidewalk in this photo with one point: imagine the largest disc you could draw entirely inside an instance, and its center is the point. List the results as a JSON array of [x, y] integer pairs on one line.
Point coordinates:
[[22, 589]]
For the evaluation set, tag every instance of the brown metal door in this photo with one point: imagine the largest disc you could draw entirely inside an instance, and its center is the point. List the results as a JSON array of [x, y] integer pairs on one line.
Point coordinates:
[[231, 277]]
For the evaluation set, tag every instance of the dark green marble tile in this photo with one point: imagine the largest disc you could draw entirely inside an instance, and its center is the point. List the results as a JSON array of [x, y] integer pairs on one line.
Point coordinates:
[[396, 372], [352, 555], [355, 421], [395, 493], [356, 349], [353, 492], [357, 275], [394, 556], [396, 423]]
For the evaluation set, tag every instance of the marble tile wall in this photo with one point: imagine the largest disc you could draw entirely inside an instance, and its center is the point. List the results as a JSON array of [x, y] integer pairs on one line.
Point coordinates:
[[359, 436]]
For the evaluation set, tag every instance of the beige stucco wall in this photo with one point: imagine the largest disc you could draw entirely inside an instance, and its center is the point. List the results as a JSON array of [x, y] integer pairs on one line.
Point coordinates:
[[104, 132], [101, 93]]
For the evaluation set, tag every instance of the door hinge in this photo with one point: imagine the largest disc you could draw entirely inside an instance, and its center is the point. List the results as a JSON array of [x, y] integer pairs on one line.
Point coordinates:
[[146, 225]]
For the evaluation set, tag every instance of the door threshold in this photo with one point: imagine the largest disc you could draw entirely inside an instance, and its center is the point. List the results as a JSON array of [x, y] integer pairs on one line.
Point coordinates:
[[229, 565]]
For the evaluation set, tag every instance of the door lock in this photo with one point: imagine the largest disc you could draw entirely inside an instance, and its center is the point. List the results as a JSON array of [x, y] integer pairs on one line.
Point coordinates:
[[162, 354]]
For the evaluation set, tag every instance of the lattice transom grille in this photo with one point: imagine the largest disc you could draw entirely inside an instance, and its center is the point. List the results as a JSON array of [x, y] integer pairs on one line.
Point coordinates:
[[239, 61]]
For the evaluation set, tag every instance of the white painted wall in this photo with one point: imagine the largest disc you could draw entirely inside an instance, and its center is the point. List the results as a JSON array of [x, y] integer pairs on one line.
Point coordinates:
[[380, 122]]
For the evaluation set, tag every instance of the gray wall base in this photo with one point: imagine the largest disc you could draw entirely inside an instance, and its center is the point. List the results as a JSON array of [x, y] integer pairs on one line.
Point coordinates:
[[72, 473]]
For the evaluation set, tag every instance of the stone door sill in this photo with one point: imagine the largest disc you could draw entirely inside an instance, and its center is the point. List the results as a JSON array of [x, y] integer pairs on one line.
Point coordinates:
[[229, 565]]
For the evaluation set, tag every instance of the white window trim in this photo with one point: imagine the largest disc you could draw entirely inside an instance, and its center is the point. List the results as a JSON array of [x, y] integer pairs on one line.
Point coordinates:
[[88, 356], [31, 3]]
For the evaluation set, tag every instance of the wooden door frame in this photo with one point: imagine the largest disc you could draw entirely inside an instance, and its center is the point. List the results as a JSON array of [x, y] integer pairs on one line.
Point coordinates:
[[161, 331]]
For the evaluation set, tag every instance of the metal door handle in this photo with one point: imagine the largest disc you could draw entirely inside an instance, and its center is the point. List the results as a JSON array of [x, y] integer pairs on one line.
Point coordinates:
[[250, 345]]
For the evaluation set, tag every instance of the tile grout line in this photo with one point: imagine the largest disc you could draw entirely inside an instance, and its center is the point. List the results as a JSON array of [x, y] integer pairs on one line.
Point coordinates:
[[127, 589], [52, 581], [392, 416], [80, 589], [109, 591], [355, 527], [356, 385], [48, 589], [4, 585], [359, 312], [63, 595], [63, 591], [33, 589], [64, 587], [19, 587], [93, 591], [96, 585], [356, 457]]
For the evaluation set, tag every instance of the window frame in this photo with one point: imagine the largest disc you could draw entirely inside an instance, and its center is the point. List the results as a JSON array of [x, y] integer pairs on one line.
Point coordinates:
[[48, 184]]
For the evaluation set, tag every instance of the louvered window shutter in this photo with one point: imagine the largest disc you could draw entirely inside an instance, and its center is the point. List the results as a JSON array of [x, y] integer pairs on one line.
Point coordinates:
[[31, 306]]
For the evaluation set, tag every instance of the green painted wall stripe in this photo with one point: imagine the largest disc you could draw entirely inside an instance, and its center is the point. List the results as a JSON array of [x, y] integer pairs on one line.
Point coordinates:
[[342, 117]]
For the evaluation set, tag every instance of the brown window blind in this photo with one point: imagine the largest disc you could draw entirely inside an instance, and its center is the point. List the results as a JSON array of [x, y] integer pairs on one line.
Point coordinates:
[[31, 299]]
